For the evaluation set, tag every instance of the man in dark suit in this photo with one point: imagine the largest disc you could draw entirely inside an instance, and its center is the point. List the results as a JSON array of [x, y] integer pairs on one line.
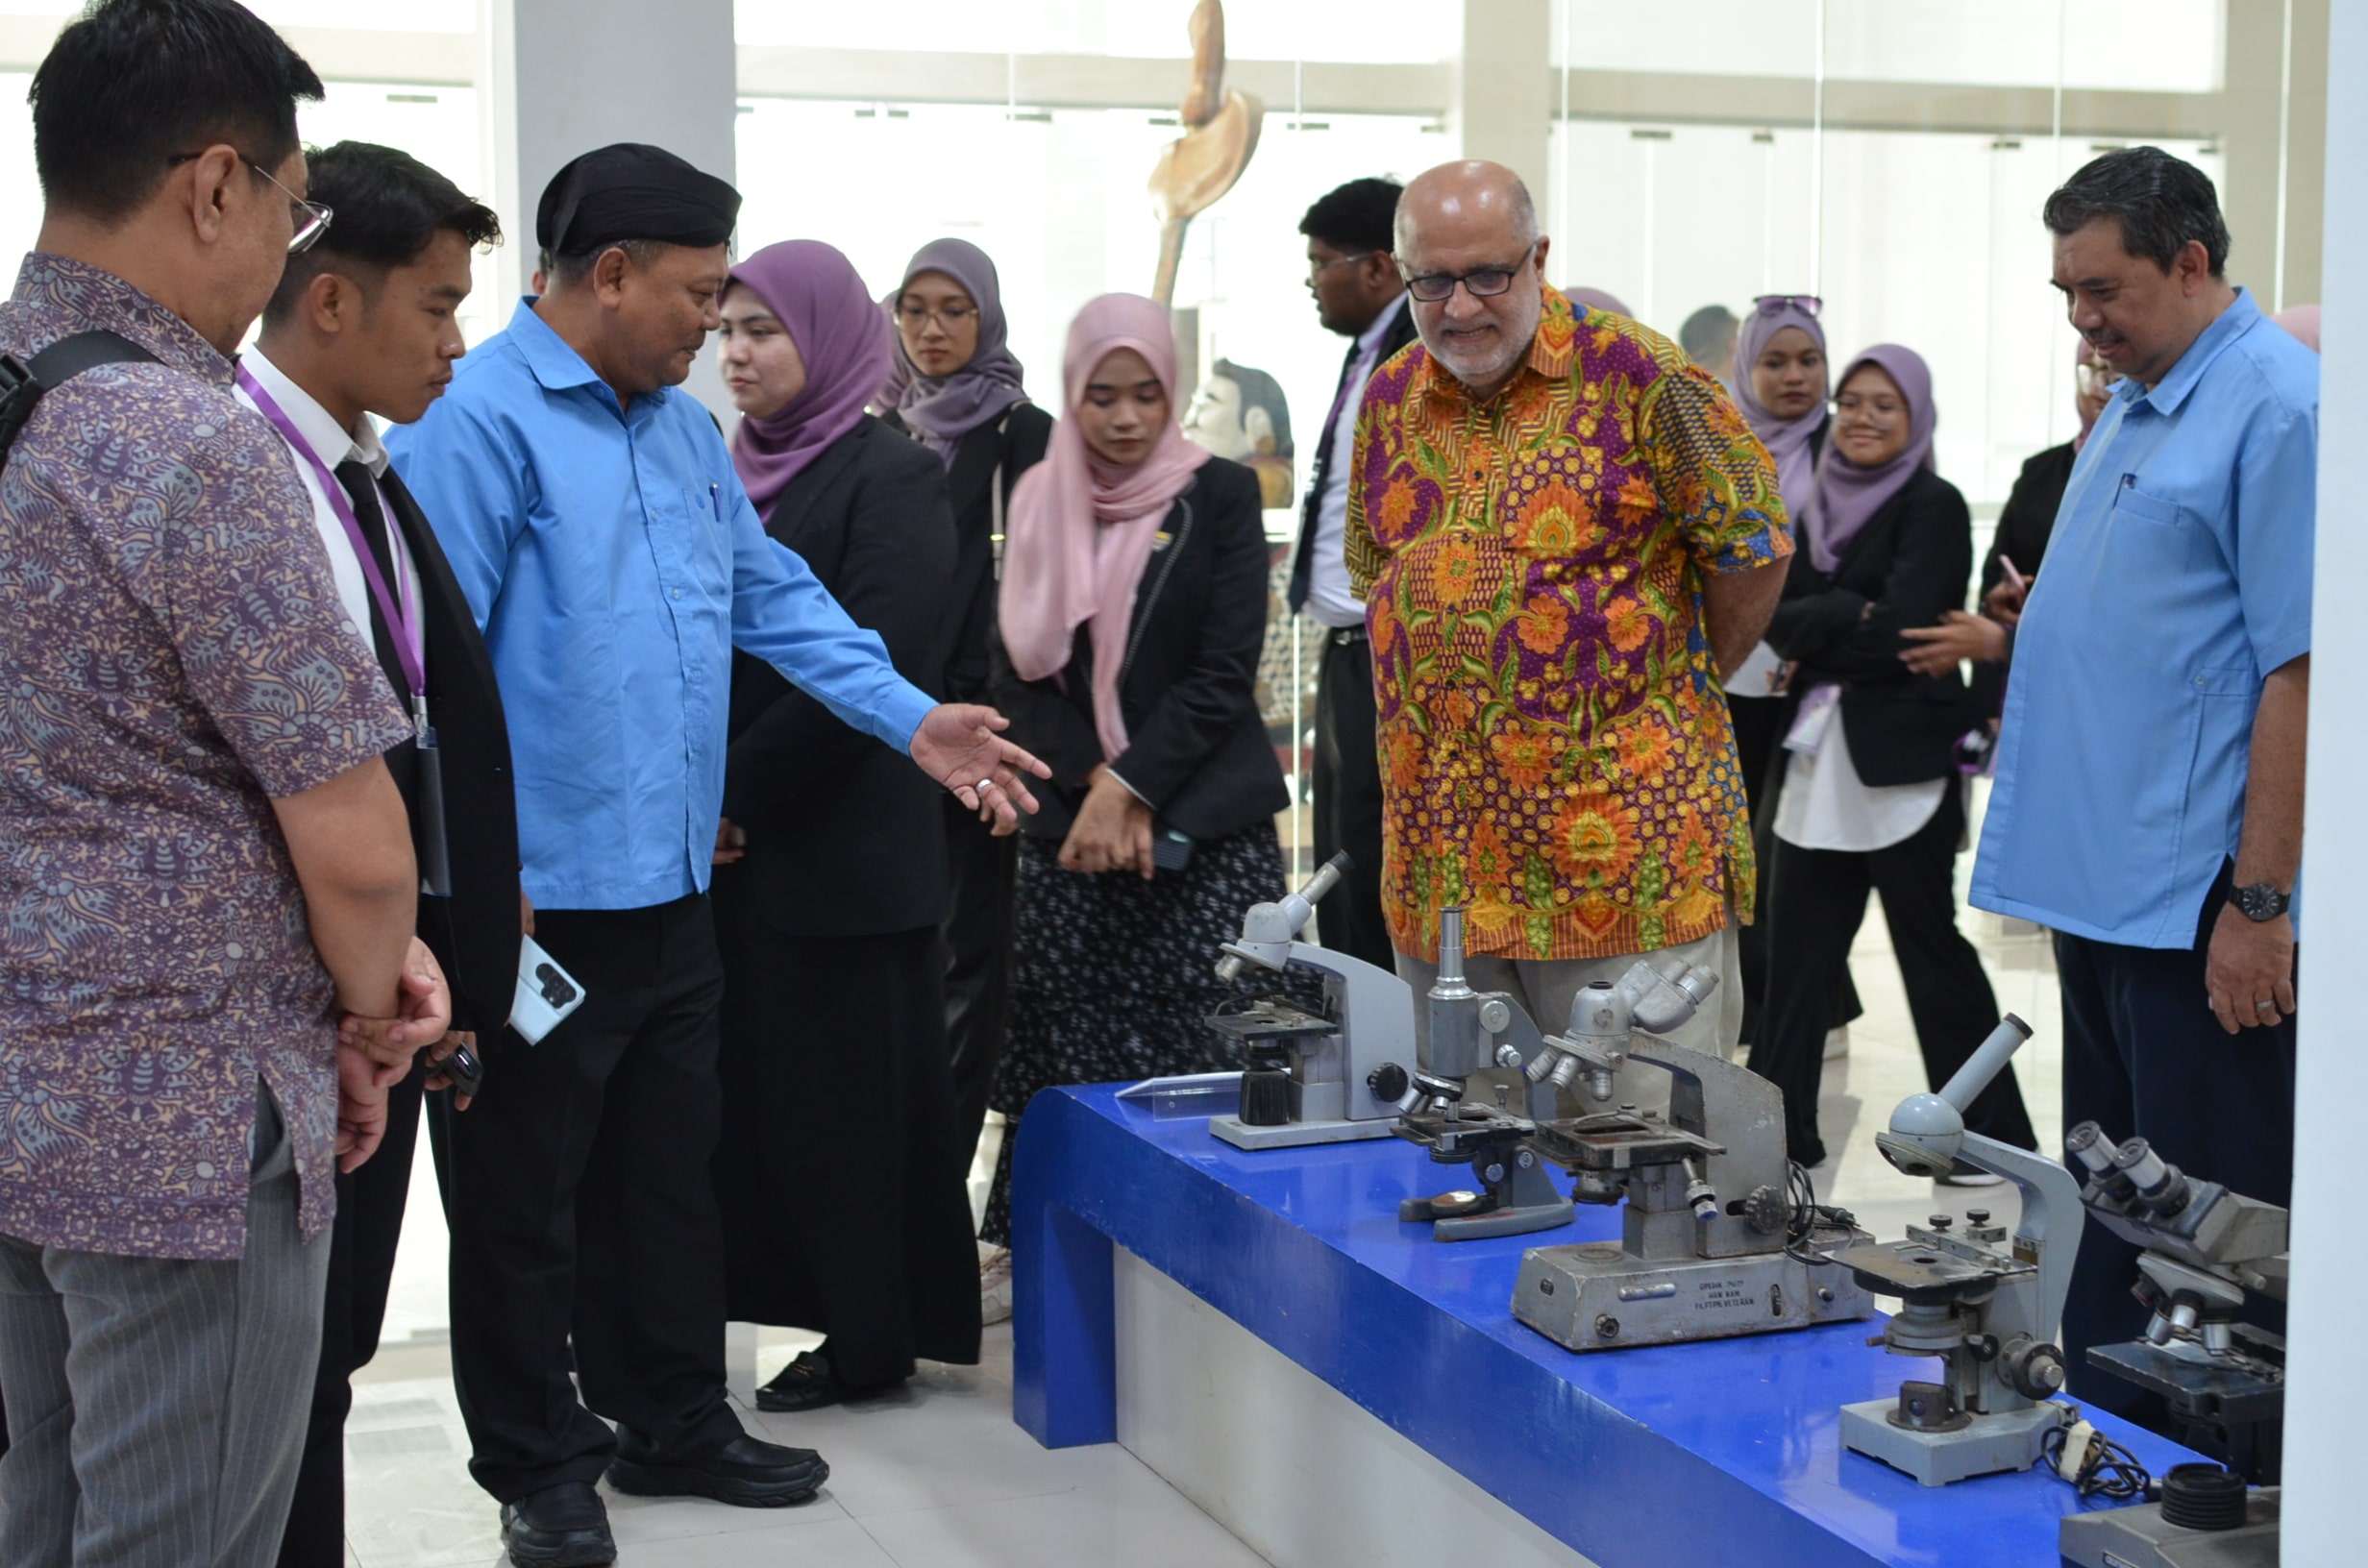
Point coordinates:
[[364, 323], [1354, 277]]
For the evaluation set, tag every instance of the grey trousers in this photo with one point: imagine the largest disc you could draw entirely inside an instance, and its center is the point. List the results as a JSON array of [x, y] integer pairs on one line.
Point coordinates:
[[1545, 989], [157, 1407]]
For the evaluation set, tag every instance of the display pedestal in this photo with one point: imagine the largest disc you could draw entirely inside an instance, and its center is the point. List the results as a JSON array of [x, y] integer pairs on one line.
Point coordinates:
[[1631, 1459]]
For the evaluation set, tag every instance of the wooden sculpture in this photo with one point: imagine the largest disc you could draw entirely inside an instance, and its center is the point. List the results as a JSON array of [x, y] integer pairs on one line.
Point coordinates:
[[1220, 132]]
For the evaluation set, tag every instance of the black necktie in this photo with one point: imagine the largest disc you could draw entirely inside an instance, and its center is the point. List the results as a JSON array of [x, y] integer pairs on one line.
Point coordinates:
[[1303, 561], [363, 492]]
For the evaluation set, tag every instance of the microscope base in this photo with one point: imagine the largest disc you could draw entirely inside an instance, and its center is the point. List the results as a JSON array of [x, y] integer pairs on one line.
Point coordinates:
[[1297, 1135], [1520, 1219], [2138, 1537], [1989, 1445], [1594, 1296]]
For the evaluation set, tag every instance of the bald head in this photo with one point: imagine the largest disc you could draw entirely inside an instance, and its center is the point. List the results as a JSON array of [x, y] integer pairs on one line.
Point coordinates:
[[1475, 198], [1472, 230]]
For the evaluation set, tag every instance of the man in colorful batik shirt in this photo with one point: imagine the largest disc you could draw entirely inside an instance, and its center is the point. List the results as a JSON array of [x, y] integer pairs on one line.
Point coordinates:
[[1564, 532]]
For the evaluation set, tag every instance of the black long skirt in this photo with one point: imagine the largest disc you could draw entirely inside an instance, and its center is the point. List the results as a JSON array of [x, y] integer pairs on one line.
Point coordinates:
[[840, 1176], [1116, 976]]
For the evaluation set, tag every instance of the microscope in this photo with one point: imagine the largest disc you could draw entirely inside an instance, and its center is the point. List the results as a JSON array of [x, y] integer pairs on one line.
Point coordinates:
[[2202, 1250], [1712, 1242], [1983, 1304], [1473, 1031], [1337, 1076]]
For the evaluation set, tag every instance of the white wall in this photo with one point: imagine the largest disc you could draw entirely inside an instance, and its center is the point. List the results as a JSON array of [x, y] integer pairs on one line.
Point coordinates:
[[2328, 1357]]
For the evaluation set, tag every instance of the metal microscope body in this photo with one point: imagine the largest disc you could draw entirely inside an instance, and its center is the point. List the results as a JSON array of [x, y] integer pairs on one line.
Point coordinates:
[[1985, 1305], [1702, 1253], [1348, 1067], [2202, 1250], [1471, 1032]]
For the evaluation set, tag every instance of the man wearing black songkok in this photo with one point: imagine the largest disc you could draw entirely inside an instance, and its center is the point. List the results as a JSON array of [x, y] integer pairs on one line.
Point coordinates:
[[592, 516]]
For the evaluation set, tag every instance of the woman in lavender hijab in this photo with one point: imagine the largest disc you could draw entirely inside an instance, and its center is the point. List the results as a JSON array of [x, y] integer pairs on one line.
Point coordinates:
[[1872, 798], [958, 391], [831, 876]]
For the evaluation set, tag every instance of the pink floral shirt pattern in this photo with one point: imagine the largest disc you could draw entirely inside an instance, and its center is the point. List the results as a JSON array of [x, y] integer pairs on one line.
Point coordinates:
[[172, 655]]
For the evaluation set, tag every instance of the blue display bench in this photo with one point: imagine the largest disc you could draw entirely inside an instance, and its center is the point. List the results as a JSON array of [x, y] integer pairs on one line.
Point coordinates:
[[1722, 1452]]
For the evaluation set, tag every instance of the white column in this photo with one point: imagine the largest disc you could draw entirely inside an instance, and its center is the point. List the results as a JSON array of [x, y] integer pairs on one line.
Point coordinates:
[[1500, 103], [563, 76], [2328, 1353]]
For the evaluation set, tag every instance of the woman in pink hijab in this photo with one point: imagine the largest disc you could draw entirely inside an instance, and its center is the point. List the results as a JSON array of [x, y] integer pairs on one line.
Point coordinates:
[[1134, 604]]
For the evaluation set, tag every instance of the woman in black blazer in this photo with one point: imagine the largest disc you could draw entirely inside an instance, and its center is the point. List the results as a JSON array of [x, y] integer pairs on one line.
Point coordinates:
[[841, 1181], [1871, 795], [960, 395], [1133, 610]]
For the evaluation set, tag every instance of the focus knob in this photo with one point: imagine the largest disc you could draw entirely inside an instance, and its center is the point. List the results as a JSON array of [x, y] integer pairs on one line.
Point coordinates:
[[1388, 1082]]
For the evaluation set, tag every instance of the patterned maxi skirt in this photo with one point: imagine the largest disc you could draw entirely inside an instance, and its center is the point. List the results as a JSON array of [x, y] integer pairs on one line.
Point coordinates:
[[1114, 977]]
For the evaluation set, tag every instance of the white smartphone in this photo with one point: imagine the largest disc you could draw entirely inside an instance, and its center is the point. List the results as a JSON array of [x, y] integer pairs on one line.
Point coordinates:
[[547, 994]]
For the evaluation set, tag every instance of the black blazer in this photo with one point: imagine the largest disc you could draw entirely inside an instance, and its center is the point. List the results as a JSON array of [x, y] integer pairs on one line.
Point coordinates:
[[845, 835], [2024, 527], [1909, 562], [474, 934], [1198, 751], [1015, 442], [1304, 555]]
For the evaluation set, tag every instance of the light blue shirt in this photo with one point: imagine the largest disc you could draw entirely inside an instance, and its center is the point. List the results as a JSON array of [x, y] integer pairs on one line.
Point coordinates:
[[614, 562], [2177, 579]]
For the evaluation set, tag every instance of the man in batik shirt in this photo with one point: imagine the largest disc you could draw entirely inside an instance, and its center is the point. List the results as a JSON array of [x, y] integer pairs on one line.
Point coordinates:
[[1563, 534]]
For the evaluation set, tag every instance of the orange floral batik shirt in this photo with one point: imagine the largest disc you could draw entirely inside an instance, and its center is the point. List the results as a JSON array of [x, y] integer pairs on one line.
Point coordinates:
[[1555, 746]]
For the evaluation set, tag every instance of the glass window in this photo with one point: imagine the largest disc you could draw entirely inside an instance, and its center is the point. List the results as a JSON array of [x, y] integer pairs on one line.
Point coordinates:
[[1382, 31]]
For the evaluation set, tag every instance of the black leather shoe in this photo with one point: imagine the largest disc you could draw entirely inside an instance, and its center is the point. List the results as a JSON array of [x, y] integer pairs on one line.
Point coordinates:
[[811, 1382], [560, 1527], [747, 1473]]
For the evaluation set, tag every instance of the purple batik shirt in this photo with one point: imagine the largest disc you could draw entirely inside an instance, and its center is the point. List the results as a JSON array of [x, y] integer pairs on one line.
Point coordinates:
[[173, 654]]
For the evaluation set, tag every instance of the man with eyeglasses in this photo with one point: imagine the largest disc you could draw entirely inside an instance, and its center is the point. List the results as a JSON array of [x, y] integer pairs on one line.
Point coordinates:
[[1565, 536], [207, 854], [1352, 272]]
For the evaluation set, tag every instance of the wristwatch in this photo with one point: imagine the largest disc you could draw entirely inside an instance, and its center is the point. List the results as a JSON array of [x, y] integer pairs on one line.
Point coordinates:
[[2261, 901]]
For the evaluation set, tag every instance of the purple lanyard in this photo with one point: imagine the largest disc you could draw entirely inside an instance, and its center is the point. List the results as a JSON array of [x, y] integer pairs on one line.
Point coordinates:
[[409, 640]]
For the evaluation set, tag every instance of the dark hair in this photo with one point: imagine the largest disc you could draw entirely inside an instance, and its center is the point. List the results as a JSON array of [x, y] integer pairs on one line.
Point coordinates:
[[1361, 215], [1707, 330], [131, 84], [2163, 202], [389, 208], [568, 268]]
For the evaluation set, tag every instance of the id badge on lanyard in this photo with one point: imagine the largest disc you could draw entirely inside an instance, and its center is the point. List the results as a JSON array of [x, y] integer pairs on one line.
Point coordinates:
[[435, 869]]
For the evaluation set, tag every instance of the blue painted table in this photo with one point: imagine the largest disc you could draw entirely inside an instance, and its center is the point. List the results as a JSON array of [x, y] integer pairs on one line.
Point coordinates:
[[1722, 1452]]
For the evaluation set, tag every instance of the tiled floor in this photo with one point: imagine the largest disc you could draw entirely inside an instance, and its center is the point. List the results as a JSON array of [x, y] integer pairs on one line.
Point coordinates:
[[939, 1478]]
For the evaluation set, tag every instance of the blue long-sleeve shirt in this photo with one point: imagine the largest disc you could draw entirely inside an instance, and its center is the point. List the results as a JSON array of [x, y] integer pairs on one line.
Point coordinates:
[[613, 561]]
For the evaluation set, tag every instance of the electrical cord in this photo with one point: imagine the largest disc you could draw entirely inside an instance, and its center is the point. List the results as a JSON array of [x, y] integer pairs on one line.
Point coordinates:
[[2104, 1468], [1804, 1217]]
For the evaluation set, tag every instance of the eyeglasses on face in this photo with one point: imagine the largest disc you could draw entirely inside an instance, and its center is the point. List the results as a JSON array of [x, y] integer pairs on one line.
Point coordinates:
[[1881, 405], [307, 220], [1316, 269], [952, 317], [1481, 283], [1776, 305]]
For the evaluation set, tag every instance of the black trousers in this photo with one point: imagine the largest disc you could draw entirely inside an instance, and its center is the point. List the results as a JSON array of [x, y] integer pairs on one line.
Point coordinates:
[[2143, 1057], [1817, 901], [582, 1212], [983, 872], [856, 1221], [362, 1268], [1758, 731], [1349, 799]]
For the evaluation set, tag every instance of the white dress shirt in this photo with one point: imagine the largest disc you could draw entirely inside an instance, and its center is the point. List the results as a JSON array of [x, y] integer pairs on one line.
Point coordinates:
[[1825, 805], [1328, 598], [336, 446]]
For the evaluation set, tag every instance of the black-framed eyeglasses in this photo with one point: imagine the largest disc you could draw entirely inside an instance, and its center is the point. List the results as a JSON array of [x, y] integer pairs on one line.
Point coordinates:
[[1481, 283], [951, 317], [310, 219], [1776, 305]]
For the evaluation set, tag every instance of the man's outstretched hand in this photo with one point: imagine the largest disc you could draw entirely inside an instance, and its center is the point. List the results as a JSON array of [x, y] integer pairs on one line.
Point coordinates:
[[957, 746]]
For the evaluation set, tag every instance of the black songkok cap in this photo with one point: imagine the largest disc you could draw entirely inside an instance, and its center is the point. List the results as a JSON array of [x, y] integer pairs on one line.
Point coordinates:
[[632, 191]]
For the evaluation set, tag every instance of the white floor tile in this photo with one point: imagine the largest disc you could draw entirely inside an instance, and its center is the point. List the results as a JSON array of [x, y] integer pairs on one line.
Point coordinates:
[[1135, 1520], [827, 1543]]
